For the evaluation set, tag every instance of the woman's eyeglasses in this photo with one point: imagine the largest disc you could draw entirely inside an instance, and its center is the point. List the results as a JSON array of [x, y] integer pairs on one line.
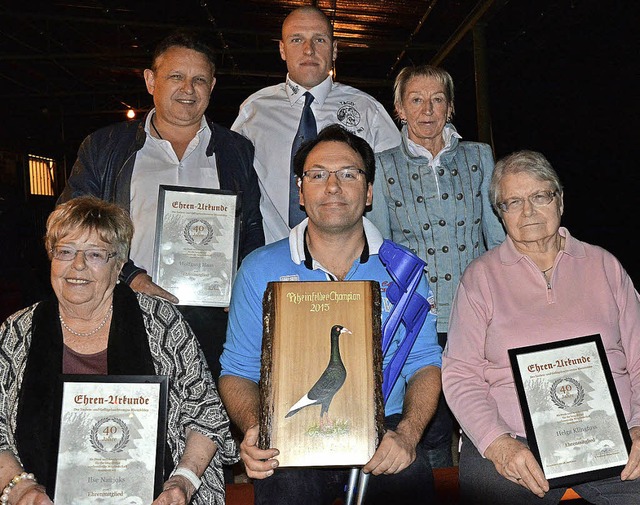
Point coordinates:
[[539, 199], [91, 256]]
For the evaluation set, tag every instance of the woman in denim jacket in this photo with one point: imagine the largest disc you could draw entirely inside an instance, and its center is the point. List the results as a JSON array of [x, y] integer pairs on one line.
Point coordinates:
[[431, 194]]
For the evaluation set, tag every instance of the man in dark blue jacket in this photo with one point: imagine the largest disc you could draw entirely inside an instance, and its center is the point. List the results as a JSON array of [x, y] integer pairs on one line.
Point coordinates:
[[175, 144]]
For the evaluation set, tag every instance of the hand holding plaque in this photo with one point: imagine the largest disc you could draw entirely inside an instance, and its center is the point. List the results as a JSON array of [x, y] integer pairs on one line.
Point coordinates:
[[321, 397]]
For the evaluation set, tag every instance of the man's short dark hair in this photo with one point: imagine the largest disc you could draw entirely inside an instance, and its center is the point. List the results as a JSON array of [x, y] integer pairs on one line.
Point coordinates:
[[190, 39], [336, 133]]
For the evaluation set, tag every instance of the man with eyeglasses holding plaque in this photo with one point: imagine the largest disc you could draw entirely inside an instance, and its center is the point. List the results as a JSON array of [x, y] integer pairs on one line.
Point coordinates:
[[335, 174]]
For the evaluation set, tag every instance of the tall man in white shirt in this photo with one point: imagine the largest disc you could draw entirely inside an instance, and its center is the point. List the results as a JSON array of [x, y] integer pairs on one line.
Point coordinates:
[[270, 117]]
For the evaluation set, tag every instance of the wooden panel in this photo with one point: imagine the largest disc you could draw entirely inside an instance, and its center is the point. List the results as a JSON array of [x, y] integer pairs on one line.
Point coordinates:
[[343, 417]]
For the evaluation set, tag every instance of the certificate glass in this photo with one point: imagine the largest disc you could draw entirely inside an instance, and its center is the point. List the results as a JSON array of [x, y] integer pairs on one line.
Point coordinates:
[[573, 418], [196, 244], [112, 439]]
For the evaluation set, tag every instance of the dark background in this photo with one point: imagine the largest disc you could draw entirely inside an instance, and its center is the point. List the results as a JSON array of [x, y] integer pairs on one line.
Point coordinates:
[[562, 78]]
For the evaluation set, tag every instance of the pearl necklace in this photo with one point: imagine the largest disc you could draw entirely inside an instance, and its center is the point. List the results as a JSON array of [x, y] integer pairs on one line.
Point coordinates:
[[93, 332]]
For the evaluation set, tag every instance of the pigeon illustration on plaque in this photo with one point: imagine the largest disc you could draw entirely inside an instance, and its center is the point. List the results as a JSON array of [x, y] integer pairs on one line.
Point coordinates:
[[330, 381]]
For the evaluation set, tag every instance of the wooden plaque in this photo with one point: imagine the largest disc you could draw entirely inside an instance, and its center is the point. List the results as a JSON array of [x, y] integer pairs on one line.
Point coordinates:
[[321, 377]]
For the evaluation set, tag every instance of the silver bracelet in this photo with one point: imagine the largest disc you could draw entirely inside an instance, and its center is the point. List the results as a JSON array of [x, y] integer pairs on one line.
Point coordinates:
[[189, 475], [7, 489]]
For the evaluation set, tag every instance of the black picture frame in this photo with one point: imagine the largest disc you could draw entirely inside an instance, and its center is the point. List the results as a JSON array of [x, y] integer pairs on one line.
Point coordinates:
[[104, 408], [555, 383]]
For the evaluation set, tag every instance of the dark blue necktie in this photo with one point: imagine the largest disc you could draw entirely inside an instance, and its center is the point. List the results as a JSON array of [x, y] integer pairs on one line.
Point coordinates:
[[307, 130]]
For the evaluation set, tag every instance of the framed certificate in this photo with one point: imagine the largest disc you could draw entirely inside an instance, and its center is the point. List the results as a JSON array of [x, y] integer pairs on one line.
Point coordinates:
[[196, 244], [573, 418], [112, 439]]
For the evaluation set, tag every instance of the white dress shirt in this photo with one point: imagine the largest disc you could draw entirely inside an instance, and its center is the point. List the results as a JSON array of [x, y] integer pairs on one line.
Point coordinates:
[[269, 119], [156, 164]]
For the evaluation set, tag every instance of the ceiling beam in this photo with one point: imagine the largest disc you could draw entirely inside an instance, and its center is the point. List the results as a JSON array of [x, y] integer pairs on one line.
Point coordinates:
[[382, 47], [410, 39], [470, 21]]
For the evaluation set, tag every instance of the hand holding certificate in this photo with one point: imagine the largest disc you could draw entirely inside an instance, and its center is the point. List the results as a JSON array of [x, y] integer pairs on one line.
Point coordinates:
[[573, 418], [112, 436]]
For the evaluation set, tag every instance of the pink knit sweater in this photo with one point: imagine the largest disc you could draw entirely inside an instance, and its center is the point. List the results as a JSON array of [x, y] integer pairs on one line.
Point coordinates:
[[503, 301]]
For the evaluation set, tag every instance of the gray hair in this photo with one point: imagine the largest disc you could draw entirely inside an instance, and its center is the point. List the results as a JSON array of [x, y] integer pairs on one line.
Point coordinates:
[[408, 73], [530, 162]]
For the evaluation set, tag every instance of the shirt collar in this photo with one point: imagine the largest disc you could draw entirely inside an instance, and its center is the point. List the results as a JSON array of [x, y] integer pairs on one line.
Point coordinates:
[[147, 123], [300, 254], [509, 255], [449, 133], [320, 92]]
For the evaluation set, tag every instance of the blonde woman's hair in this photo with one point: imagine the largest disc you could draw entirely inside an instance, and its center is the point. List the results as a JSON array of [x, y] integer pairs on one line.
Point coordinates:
[[88, 213], [408, 73]]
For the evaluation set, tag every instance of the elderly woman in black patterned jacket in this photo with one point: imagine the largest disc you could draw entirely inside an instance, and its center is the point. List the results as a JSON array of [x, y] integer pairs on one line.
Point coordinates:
[[93, 325]]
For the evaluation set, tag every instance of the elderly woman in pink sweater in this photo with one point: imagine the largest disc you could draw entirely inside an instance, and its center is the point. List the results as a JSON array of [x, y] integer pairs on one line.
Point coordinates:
[[540, 285]]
